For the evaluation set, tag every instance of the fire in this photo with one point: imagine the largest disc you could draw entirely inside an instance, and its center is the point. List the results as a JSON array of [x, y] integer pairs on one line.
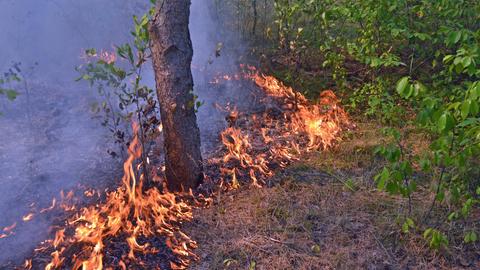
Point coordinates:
[[288, 127], [321, 122], [131, 213], [7, 231], [27, 217], [27, 265], [54, 201], [134, 217], [59, 237], [56, 261]]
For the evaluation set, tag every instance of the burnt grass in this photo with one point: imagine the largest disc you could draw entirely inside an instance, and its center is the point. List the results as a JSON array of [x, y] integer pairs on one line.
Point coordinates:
[[324, 213]]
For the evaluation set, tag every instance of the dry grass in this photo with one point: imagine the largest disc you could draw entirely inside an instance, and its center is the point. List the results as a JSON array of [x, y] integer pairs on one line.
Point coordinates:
[[290, 226], [321, 214]]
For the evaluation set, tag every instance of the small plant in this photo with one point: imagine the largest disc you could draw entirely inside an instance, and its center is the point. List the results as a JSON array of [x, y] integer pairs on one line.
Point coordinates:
[[376, 102], [435, 238], [454, 123], [12, 75], [408, 225], [118, 78], [470, 237], [396, 178]]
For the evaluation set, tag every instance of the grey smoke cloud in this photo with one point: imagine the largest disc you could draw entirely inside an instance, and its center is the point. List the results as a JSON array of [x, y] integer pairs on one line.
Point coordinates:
[[54, 144], [48, 139]]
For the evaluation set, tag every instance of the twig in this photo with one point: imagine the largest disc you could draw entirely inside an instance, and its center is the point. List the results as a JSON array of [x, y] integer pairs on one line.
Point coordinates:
[[276, 240], [440, 180]]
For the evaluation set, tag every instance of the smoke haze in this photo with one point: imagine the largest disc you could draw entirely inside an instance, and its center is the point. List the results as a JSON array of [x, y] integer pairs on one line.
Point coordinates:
[[48, 139]]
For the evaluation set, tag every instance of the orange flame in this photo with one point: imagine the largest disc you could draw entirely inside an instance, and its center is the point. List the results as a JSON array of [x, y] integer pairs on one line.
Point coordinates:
[[253, 148], [130, 210], [27, 265], [292, 126], [27, 217]]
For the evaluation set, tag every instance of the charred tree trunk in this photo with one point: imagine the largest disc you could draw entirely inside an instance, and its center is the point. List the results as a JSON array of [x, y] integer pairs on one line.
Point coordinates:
[[172, 56]]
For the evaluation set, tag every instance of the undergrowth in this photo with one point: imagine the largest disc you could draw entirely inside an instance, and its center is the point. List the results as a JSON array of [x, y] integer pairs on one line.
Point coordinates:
[[409, 66]]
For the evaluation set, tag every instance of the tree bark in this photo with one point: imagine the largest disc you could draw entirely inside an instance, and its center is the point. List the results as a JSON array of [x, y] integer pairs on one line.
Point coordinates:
[[172, 53]]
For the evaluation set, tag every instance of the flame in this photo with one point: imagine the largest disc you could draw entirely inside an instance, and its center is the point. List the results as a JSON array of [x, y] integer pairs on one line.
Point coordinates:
[[27, 217], [59, 237], [321, 122], [54, 201], [10, 228], [27, 265], [56, 261], [253, 146], [290, 126], [130, 212]]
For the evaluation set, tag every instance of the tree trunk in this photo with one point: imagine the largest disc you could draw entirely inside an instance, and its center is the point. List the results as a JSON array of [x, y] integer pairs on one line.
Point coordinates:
[[172, 56]]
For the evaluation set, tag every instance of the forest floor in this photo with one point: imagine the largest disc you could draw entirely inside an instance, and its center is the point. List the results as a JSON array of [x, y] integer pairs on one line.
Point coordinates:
[[321, 213]]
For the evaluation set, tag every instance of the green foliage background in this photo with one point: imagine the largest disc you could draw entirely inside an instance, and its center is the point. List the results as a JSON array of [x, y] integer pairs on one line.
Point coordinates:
[[399, 62]]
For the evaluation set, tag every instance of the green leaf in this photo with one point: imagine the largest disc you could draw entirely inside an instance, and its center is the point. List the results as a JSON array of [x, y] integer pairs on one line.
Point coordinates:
[[11, 94], [429, 103], [382, 178], [406, 168], [393, 155], [407, 225], [410, 91], [392, 187], [402, 85], [453, 216], [474, 108], [440, 196], [465, 110], [466, 61], [425, 164], [448, 58], [427, 232], [454, 37], [445, 122], [419, 89], [470, 237], [468, 122]]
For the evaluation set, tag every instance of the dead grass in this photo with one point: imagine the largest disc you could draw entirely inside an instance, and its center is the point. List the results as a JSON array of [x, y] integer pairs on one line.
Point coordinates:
[[322, 213], [290, 226]]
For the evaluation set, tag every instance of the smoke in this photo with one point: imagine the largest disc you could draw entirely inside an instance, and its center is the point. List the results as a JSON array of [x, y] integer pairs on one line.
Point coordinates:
[[217, 51], [48, 140]]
